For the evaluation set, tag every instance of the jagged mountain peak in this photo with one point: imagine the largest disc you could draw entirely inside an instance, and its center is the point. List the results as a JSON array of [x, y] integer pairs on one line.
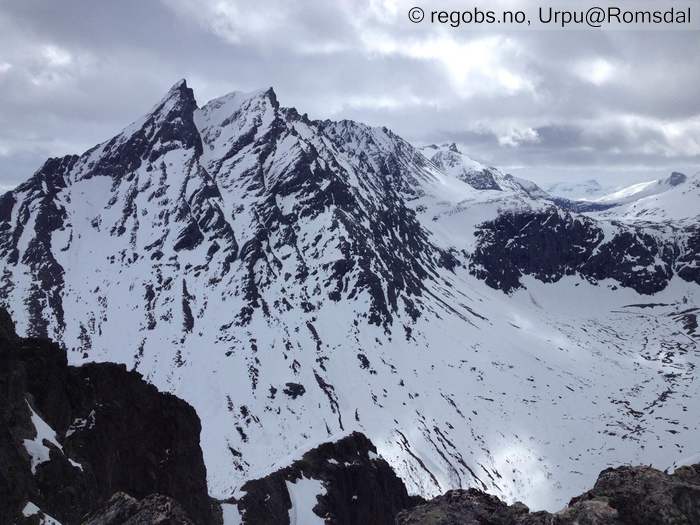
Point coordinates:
[[178, 102], [676, 197], [180, 84], [229, 123], [169, 125], [449, 146], [179, 90], [450, 159]]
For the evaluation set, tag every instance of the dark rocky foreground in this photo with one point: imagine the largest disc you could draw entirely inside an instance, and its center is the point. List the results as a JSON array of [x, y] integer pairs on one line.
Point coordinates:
[[101, 430], [360, 487], [96, 445], [621, 496], [362, 490]]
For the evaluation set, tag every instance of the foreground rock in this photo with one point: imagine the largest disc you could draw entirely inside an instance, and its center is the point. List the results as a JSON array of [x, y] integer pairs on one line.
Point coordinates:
[[344, 483], [72, 437], [156, 509], [621, 496]]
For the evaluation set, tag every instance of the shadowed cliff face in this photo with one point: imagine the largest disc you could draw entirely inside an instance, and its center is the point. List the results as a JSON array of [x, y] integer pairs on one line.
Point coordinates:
[[70, 437]]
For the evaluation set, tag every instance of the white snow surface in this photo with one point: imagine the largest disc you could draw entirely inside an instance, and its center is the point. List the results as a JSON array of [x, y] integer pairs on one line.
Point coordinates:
[[303, 493], [35, 447], [38, 451], [231, 515], [30, 509], [655, 202], [584, 190]]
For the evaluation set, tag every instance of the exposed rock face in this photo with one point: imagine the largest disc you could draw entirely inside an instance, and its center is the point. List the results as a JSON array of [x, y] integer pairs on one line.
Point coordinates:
[[688, 263], [621, 496], [356, 487], [72, 437], [676, 178], [463, 507], [551, 244], [646, 495], [156, 509], [49, 217], [580, 206], [450, 159]]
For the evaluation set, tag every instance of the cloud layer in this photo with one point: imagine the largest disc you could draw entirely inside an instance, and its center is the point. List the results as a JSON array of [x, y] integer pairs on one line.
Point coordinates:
[[549, 105]]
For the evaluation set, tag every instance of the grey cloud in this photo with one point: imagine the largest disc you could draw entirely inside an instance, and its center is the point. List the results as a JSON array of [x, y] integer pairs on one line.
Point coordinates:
[[76, 72]]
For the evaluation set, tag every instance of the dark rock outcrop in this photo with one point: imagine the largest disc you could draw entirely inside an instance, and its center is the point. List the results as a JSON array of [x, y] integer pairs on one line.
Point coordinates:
[[647, 495], [45, 291], [359, 487], [356, 487], [621, 496], [551, 244], [156, 509], [676, 178], [688, 263], [466, 507], [70, 437]]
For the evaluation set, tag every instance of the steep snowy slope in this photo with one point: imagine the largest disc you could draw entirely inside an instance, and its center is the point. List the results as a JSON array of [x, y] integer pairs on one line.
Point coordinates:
[[672, 199], [453, 162], [296, 280], [644, 189]]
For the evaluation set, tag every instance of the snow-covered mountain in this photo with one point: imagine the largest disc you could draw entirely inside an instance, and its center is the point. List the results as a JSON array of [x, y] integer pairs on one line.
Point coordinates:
[[450, 160], [675, 198], [643, 189], [296, 280]]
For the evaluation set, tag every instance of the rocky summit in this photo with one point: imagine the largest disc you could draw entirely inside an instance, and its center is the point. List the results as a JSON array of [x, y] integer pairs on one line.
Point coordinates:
[[621, 496], [297, 280]]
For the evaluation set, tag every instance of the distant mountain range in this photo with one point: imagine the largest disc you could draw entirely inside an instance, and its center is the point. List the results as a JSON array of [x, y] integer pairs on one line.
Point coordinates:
[[593, 191]]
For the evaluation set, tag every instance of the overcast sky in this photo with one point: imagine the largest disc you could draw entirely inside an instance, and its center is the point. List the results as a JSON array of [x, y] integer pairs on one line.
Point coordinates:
[[620, 106]]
